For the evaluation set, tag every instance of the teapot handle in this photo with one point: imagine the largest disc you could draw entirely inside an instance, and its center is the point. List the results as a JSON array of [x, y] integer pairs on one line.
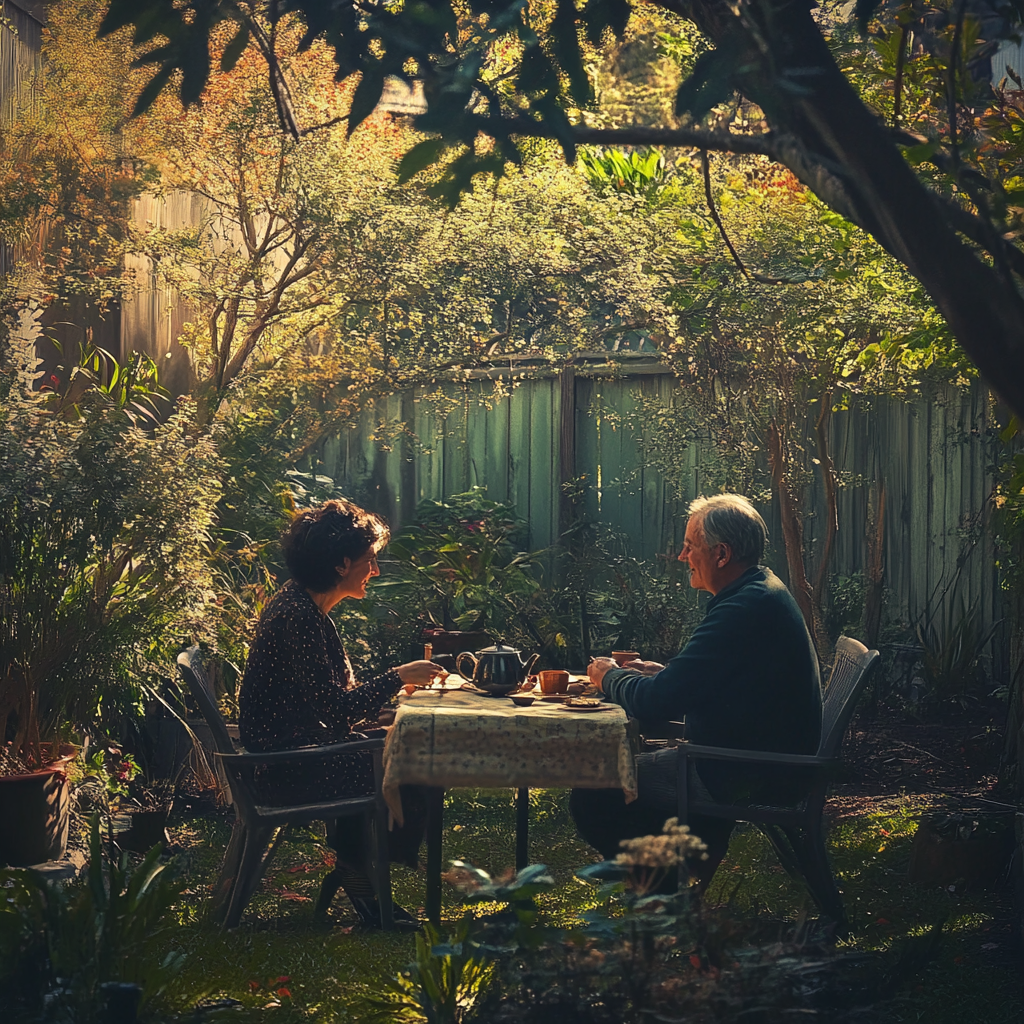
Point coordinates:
[[529, 665], [458, 664]]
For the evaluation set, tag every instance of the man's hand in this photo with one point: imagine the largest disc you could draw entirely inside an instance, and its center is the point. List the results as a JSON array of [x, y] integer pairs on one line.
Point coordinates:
[[421, 673], [597, 669], [646, 668]]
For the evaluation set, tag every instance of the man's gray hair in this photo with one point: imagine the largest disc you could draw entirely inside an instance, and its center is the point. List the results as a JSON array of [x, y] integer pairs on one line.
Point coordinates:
[[731, 519]]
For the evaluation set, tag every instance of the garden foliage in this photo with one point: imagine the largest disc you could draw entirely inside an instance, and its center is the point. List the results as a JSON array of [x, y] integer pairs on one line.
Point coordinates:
[[103, 528], [638, 954], [61, 947]]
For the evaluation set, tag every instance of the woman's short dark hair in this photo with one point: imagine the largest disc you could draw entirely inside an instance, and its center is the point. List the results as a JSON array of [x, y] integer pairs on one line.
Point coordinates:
[[321, 538]]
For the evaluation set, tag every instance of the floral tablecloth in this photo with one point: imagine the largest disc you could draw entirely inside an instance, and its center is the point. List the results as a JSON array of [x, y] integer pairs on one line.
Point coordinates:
[[464, 739]]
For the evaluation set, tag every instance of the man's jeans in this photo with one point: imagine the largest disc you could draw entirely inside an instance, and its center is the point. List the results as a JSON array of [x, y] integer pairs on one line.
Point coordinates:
[[604, 818]]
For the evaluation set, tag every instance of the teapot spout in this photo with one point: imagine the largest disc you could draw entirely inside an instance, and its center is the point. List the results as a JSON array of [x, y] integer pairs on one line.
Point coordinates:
[[529, 663]]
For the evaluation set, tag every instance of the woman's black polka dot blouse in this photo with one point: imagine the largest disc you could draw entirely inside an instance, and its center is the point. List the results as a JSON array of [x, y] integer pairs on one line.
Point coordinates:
[[298, 691]]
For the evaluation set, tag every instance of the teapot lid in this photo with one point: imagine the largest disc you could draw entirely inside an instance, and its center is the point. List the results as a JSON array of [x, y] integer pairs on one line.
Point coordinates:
[[498, 649]]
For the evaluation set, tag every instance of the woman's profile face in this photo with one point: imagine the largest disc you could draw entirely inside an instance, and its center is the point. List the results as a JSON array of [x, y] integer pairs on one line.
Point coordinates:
[[354, 575]]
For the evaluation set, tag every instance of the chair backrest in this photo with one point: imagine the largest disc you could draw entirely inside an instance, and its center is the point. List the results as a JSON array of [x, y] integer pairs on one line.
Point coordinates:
[[190, 668], [850, 673]]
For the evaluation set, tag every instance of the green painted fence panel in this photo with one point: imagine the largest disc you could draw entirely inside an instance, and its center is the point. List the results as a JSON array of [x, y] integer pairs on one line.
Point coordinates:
[[933, 458]]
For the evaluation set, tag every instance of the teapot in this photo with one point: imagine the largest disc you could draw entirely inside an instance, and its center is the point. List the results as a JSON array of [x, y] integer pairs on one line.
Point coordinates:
[[497, 670]]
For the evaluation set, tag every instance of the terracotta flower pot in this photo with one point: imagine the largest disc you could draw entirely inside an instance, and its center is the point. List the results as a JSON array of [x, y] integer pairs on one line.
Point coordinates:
[[35, 814], [979, 858]]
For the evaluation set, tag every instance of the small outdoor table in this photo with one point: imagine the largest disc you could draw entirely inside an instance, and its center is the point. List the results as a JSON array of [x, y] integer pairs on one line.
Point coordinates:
[[444, 739]]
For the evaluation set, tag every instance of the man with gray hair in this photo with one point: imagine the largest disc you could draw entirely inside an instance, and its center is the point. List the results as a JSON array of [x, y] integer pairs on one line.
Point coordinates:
[[747, 679]]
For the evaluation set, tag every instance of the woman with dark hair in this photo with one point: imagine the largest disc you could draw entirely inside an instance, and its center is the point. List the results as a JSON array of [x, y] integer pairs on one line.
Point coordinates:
[[299, 689]]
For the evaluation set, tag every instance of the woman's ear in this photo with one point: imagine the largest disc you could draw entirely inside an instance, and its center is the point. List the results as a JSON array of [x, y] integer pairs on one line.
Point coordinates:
[[342, 570]]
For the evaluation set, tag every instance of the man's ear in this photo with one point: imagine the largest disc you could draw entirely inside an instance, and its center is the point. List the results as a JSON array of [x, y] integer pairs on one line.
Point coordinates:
[[724, 556]]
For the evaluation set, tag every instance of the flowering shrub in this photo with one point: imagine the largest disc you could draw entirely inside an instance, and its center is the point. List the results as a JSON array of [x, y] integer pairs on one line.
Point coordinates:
[[649, 858]]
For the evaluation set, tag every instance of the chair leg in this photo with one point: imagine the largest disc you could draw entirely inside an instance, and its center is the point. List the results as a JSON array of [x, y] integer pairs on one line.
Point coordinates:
[[785, 850], [328, 890], [382, 867], [381, 854], [272, 849], [220, 898], [818, 874], [682, 809], [249, 873]]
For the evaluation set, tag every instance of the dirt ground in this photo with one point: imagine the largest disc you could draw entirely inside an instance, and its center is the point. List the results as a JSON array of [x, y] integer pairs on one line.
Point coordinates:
[[951, 755]]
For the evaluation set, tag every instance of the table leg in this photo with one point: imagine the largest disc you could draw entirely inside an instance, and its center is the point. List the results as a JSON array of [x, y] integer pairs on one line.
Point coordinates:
[[435, 824], [522, 828]]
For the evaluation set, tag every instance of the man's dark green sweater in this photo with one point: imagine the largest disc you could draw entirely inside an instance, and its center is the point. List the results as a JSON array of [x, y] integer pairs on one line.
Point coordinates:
[[747, 679]]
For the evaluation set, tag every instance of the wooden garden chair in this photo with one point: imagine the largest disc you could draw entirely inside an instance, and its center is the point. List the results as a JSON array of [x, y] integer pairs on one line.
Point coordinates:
[[260, 826], [795, 831]]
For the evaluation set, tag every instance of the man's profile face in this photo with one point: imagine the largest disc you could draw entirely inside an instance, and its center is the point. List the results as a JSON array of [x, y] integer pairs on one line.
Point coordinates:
[[697, 555]]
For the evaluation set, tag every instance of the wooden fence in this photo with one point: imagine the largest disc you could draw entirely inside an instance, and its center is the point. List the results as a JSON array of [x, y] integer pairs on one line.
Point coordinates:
[[521, 437]]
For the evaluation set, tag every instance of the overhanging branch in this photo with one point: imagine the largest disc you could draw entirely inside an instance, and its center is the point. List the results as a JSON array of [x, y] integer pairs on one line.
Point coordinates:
[[635, 135]]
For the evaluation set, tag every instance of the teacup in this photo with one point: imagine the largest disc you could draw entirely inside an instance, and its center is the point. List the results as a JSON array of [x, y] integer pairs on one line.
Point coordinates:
[[553, 680], [621, 657]]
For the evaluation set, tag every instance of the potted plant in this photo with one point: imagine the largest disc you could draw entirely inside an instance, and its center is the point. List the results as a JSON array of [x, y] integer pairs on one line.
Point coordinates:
[[148, 806], [460, 566], [962, 847]]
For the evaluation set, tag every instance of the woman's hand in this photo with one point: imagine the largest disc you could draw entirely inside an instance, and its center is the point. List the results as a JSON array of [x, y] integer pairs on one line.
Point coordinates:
[[421, 673]]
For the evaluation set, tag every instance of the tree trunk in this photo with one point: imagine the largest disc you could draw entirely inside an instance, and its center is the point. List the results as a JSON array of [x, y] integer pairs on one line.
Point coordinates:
[[828, 478], [793, 537], [847, 156]]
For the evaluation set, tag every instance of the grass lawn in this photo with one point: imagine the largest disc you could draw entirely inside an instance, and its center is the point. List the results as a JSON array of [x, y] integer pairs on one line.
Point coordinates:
[[974, 975]]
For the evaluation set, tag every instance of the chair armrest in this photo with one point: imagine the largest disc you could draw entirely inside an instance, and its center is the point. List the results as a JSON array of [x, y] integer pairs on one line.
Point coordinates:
[[694, 750], [301, 753]]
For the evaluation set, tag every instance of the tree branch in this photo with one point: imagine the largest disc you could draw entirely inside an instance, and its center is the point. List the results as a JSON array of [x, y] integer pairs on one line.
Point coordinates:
[[635, 135]]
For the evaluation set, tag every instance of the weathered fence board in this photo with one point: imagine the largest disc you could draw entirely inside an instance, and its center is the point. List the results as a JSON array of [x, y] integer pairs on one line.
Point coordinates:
[[932, 456]]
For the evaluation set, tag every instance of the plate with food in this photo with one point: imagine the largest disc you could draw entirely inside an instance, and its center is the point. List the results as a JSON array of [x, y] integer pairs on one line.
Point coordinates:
[[585, 704]]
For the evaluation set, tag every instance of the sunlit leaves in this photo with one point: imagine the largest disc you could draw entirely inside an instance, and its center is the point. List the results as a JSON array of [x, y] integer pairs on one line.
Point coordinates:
[[181, 33]]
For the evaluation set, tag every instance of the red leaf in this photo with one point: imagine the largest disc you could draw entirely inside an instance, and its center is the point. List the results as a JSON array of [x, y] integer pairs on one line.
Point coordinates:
[[695, 961], [284, 993], [284, 978]]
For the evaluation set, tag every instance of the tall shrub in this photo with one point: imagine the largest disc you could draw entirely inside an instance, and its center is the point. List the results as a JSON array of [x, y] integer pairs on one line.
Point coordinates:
[[102, 533]]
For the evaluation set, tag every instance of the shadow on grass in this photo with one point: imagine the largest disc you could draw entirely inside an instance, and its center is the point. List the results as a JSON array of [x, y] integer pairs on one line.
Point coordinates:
[[281, 959]]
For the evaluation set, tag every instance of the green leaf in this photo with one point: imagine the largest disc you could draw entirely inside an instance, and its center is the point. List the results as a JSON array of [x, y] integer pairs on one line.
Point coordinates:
[[710, 83], [600, 15], [366, 97], [152, 89], [421, 156], [235, 49], [564, 35], [863, 11]]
